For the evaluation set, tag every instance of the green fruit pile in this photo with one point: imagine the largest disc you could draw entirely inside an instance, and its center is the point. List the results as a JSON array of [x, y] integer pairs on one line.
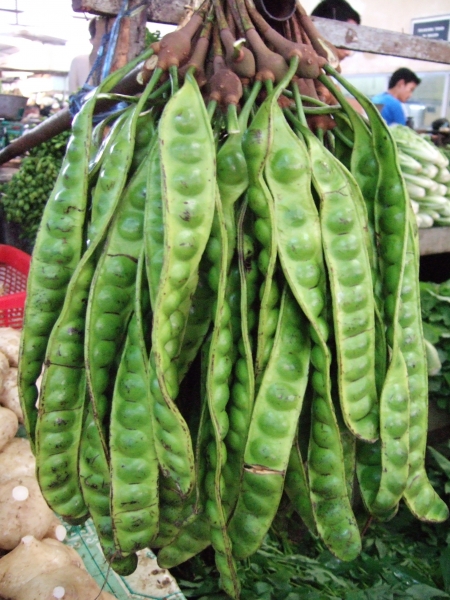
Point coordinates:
[[24, 197]]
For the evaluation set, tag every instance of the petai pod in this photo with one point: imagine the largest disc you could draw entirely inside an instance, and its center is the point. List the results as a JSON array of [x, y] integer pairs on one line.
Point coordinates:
[[219, 368], [300, 250], [419, 495], [112, 290], [133, 462], [57, 251], [64, 380], [363, 167], [391, 225], [272, 430], [255, 145], [188, 192], [243, 387], [351, 287], [96, 483]]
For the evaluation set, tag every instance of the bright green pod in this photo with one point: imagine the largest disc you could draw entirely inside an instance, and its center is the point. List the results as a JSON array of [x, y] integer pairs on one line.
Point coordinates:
[[394, 434], [219, 368], [243, 388], [391, 225], [60, 243], [188, 192], [364, 168], [288, 174], [112, 292], [272, 430], [419, 495], [351, 287], [134, 470], [256, 145], [64, 389], [200, 311], [133, 462], [95, 483]]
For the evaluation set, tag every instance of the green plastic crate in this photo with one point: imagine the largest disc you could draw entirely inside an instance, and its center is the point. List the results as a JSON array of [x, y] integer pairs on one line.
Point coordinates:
[[148, 581]]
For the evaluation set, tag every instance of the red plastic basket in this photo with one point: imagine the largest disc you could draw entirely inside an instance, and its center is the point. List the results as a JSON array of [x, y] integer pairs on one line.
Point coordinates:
[[14, 267]]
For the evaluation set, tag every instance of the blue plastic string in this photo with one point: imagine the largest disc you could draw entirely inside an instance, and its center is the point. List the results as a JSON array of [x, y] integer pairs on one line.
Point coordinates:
[[114, 36], [108, 44]]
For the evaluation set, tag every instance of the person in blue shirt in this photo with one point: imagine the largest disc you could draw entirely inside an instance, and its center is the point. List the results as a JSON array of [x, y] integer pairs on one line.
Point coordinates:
[[401, 86]]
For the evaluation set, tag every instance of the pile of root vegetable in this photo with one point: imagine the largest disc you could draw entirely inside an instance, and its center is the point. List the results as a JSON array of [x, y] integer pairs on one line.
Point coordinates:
[[34, 563], [224, 300]]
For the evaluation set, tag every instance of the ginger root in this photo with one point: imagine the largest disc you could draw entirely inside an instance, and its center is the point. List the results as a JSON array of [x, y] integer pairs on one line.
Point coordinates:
[[9, 344], [9, 424], [23, 511], [16, 460], [9, 395], [46, 570]]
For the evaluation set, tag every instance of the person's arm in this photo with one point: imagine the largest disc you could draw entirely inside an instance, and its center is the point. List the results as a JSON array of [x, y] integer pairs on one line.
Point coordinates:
[[78, 72]]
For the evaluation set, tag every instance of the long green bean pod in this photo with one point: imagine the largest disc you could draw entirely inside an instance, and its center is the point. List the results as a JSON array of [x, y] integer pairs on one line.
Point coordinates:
[[256, 143], [243, 388], [220, 366], [133, 462], [111, 295], [363, 167], [59, 245], [351, 287], [96, 483], [188, 187], [300, 250], [391, 224], [232, 180], [272, 430], [419, 494]]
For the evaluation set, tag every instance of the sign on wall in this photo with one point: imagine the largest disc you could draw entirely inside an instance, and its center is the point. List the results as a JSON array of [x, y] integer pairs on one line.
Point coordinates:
[[433, 28]]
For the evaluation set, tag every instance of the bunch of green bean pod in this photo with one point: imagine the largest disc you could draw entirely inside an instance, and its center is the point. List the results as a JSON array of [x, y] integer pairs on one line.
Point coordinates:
[[224, 304]]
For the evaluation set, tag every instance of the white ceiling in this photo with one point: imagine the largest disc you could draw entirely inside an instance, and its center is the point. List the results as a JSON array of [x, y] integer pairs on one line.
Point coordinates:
[[63, 34], [43, 36]]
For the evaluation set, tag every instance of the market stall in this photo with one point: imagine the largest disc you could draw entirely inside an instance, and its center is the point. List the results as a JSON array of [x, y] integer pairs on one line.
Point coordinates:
[[222, 333]]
